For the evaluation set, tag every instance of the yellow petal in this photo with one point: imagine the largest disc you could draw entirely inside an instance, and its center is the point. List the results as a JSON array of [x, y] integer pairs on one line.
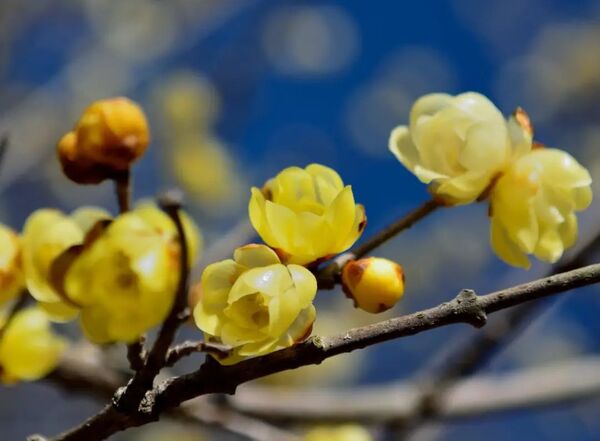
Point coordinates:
[[506, 249], [258, 217], [255, 255], [305, 284], [403, 148]]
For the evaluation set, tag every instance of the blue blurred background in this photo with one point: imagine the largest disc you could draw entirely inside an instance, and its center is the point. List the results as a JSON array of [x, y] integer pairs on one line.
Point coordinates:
[[238, 89]]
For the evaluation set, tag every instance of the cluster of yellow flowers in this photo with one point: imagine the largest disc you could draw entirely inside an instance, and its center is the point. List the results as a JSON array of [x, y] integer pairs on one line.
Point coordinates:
[[466, 151], [120, 274]]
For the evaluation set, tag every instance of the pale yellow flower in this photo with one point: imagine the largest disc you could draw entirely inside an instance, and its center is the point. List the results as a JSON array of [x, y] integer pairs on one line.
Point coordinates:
[[346, 432], [533, 206], [28, 348], [375, 284], [307, 214], [12, 281], [457, 144], [254, 303], [47, 234], [125, 279]]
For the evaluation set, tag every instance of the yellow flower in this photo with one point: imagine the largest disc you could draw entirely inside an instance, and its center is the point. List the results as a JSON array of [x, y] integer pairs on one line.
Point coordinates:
[[47, 234], [254, 303], [28, 348], [533, 206], [12, 281], [457, 144], [375, 284], [125, 278], [307, 214], [110, 135], [346, 432]]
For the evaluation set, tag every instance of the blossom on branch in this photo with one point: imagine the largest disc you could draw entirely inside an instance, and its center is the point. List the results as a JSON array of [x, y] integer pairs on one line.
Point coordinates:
[[254, 303], [457, 144], [307, 214], [533, 205], [124, 278]]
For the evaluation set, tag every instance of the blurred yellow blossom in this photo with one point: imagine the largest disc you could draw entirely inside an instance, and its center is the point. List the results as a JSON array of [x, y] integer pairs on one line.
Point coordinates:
[[12, 281], [218, 186], [124, 278], [110, 135], [533, 206], [375, 284], [254, 303], [28, 348], [346, 432], [307, 214], [46, 234], [457, 144]]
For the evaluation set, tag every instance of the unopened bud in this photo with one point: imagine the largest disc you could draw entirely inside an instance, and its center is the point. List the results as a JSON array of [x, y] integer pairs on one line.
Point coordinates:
[[375, 284]]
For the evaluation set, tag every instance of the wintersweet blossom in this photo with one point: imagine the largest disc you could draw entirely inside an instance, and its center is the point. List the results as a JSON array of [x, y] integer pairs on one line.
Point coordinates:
[[457, 144], [375, 284], [533, 205], [254, 303], [109, 137], [48, 233], [124, 279], [12, 281], [307, 214], [28, 348]]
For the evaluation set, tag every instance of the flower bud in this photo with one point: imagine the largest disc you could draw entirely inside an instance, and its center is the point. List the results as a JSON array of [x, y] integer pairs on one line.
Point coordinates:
[[110, 135], [76, 167], [375, 284], [113, 132]]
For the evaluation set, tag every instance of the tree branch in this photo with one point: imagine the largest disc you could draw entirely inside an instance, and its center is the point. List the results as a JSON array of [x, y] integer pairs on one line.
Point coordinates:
[[186, 348], [467, 307]]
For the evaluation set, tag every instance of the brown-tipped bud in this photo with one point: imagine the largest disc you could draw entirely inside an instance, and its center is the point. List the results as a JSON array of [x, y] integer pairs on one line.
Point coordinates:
[[375, 284], [75, 167], [113, 132]]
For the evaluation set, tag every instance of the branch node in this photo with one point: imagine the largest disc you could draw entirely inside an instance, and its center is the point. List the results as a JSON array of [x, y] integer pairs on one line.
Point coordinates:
[[466, 306]]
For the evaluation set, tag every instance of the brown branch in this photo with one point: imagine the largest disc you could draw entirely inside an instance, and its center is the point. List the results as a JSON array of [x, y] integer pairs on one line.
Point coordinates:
[[123, 191], [559, 383], [467, 307], [329, 275]]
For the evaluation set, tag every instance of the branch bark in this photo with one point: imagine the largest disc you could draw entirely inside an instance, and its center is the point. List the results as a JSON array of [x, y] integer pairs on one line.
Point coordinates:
[[467, 307]]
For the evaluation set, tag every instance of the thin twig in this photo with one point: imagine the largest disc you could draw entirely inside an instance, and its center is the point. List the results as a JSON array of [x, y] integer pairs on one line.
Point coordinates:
[[329, 275], [467, 307], [123, 191], [136, 353], [181, 350]]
